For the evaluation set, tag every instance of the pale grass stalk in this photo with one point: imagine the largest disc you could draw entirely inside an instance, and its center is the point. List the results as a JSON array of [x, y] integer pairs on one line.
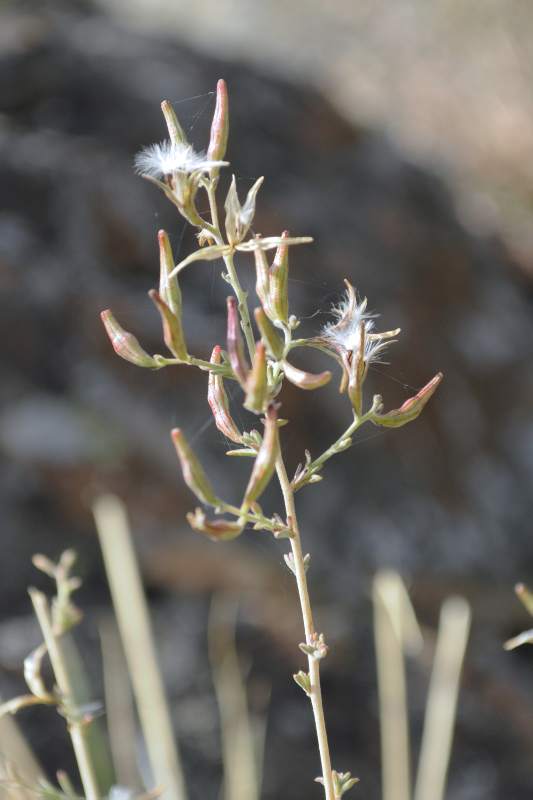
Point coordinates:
[[395, 629], [241, 781], [133, 620], [77, 730], [15, 749], [314, 669], [119, 707], [441, 704]]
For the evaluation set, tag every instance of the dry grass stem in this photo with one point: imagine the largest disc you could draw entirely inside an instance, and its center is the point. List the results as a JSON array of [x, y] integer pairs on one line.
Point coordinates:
[[135, 630]]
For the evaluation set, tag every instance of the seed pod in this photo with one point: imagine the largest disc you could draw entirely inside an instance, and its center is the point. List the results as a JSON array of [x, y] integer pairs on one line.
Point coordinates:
[[235, 344], [172, 330], [269, 335], [169, 289], [262, 284], [218, 400], [305, 380], [219, 126], [221, 530], [279, 276], [175, 131], [410, 409], [257, 383], [265, 462], [356, 373], [125, 344], [193, 474]]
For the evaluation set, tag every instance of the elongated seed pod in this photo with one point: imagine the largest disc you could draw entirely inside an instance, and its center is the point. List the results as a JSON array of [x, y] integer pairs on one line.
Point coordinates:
[[218, 400], [265, 463], [410, 409], [172, 330], [175, 131], [169, 289], [221, 530], [235, 343], [193, 474], [305, 380], [256, 382], [125, 344], [279, 276], [268, 333], [220, 125], [262, 284]]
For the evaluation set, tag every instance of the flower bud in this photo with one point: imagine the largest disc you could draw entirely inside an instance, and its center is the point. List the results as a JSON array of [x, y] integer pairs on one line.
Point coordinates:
[[268, 334], [175, 131], [256, 382], [289, 560], [235, 344], [219, 127], [265, 462], [193, 474], [304, 681], [172, 330], [316, 648], [279, 276], [341, 782], [218, 400], [169, 290], [410, 409], [125, 344], [305, 380], [221, 530]]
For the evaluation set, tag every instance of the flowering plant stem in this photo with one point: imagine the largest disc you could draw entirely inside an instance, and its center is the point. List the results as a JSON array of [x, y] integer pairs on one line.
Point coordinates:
[[351, 341], [314, 668], [288, 497], [76, 727]]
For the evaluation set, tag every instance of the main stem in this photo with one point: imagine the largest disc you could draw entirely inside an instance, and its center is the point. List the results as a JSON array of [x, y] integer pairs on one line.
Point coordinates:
[[314, 670], [76, 729]]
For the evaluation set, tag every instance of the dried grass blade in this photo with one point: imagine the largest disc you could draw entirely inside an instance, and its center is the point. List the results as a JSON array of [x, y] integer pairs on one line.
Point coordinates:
[[441, 704], [134, 625]]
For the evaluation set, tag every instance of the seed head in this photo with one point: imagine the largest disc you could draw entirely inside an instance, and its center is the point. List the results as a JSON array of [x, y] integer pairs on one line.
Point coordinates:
[[162, 159]]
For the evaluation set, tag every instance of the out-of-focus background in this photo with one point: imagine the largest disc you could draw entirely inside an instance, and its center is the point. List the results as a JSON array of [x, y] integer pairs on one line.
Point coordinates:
[[399, 136]]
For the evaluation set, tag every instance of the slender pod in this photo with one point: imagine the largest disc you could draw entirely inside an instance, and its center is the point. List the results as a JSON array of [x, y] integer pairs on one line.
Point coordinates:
[[235, 344], [279, 276], [169, 289], [218, 401], [172, 330], [125, 344], [193, 474], [265, 463]]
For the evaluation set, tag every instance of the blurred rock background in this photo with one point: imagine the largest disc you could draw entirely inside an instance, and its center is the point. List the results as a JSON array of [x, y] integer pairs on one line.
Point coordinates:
[[418, 211]]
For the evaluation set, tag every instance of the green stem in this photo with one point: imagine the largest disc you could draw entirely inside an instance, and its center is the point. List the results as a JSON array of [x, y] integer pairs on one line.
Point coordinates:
[[243, 304], [76, 728], [226, 507], [314, 670], [334, 449]]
